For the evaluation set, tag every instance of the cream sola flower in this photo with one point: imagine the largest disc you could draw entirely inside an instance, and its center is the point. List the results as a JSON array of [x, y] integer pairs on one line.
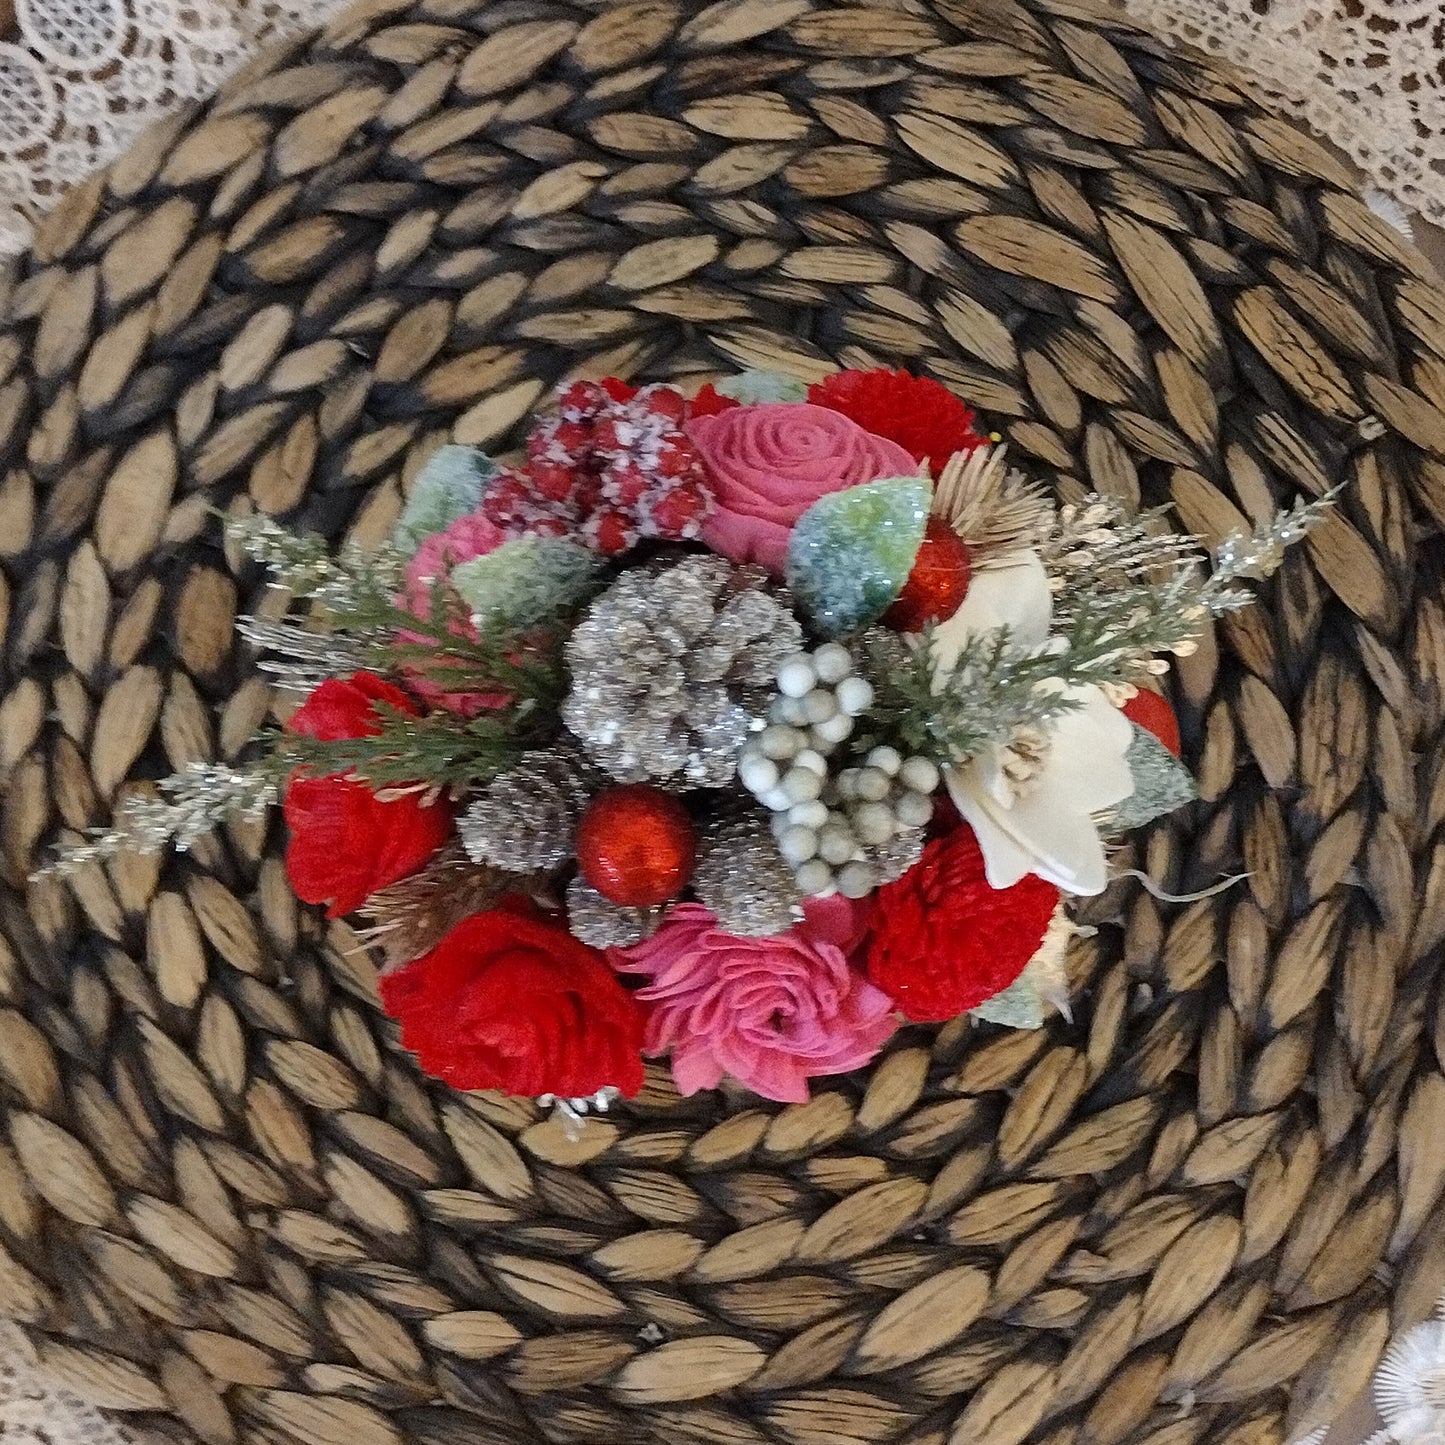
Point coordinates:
[[1032, 800]]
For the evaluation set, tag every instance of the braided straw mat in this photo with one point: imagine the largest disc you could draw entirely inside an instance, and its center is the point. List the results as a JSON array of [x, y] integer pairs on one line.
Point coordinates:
[[230, 1203]]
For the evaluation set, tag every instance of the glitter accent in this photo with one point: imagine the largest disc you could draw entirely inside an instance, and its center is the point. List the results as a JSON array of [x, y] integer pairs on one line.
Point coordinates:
[[301, 659], [1161, 784], [851, 552], [895, 857], [190, 805], [526, 821], [671, 668], [1258, 554], [599, 922], [304, 566], [742, 878]]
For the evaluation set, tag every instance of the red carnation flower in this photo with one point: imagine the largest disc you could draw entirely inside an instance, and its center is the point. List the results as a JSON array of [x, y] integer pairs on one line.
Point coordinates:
[[921, 415], [510, 1001], [942, 940], [346, 843]]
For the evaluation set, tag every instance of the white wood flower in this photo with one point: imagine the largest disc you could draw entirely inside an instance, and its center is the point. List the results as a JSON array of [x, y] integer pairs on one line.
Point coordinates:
[[1032, 801]]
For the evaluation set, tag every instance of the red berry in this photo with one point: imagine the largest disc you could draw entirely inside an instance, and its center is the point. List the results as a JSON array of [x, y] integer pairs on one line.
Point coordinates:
[[586, 494], [679, 512], [554, 481], [507, 494], [574, 437], [636, 845], [549, 527], [937, 584], [610, 532], [676, 457], [618, 390], [1153, 713], [581, 399], [664, 401], [605, 438], [625, 483]]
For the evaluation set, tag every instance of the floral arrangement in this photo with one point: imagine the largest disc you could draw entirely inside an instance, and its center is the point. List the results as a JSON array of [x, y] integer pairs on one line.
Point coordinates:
[[732, 729]]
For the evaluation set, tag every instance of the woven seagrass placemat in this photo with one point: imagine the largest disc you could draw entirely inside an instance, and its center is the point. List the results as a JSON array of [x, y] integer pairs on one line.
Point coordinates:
[[228, 1202]]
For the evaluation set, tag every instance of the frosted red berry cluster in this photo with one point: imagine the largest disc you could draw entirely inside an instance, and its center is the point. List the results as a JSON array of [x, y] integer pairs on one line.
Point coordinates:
[[609, 470]]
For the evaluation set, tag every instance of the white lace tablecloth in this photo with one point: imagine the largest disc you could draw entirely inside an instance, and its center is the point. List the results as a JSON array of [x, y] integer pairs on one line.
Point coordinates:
[[1368, 75], [85, 76]]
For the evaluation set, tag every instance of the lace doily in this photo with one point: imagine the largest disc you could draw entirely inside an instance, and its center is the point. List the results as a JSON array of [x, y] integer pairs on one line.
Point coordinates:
[[34, 1412], [1367, 74], [1408, 1391], [85, 77]]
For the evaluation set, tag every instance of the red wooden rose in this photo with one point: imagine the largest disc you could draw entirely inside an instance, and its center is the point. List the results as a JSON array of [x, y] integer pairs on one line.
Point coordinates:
[[508, 1000], [346, 843]]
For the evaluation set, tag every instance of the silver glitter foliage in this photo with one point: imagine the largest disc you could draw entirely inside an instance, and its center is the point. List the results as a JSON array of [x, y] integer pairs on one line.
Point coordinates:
[[526, 821], [671, 668], [185, 808], [603, 924], [741, 877]]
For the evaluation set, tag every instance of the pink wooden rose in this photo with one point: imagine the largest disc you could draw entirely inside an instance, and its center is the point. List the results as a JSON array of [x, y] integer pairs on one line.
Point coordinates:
[[768, 464], [769, 1012]]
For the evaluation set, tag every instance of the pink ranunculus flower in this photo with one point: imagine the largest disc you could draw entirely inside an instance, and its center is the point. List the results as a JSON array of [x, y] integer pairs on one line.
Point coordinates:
[[771, 1012], [768, 464], [467, 537]]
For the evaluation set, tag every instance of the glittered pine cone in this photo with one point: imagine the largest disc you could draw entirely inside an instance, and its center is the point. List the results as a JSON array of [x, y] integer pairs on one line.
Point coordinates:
[[526, 820], [670, 668]]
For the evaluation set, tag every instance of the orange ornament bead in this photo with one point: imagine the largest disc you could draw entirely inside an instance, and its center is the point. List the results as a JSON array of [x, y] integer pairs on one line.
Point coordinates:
[[1154, 715], [636, 845], [937, 584]]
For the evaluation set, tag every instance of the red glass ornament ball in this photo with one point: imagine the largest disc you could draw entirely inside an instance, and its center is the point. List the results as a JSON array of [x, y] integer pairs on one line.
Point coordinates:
[[636, 845], [938, 583], [1154, 715]]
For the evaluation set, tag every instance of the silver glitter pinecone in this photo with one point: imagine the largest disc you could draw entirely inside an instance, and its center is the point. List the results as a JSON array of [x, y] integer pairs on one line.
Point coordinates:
[[670, 667], [603, 924], [741, 878], [526, 821]]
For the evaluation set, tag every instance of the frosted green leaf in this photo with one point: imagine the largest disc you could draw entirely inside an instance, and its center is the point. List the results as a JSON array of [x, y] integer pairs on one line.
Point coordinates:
[[851, 552], [1161, 784], [526, 581], [1019, 1006], [449, 486], [754, 388]]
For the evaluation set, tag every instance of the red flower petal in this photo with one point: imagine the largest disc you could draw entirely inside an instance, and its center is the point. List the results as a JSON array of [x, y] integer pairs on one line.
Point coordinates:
[[920, 414], [343, 707], [346, 843], [943, 941], [510, 1001], [1153, 713]]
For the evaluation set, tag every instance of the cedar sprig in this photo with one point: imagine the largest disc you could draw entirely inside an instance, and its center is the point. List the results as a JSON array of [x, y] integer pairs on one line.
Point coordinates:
[[437, 750], [998, 686]]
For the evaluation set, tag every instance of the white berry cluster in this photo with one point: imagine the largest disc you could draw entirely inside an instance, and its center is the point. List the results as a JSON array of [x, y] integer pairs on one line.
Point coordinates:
[[831, 828]]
